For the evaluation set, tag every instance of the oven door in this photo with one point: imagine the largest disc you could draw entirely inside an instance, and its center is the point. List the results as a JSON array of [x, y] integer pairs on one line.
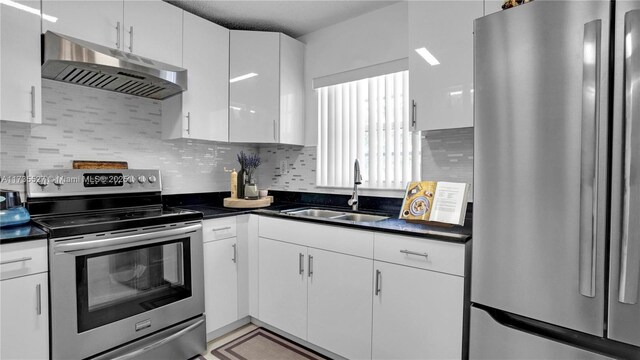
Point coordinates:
[[109, 290]]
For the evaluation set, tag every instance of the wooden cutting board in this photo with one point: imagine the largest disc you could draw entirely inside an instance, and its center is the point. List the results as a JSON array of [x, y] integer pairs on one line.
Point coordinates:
[[88, 164], [247, 204]]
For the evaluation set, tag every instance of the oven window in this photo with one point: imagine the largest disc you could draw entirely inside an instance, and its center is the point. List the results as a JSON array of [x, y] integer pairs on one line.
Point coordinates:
[[118, 284]]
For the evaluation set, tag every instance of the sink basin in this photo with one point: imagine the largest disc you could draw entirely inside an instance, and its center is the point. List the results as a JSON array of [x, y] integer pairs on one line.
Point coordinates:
[[336, 215], [316, 213], [361, 217]]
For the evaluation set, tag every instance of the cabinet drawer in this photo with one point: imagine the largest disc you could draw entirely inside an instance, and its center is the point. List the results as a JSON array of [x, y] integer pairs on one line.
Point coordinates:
[[419, 252], [218, 229], [23, 258], [326, 237]]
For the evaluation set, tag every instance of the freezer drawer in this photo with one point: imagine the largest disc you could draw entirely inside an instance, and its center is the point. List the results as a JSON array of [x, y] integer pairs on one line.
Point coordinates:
[[492, 341]]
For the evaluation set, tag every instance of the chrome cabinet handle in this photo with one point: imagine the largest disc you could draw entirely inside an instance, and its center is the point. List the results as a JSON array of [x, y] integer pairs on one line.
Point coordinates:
[[189, 122], [378, 282], [310, 266], [118, 35], [33, 102], [408, 252], [301, 264], [414, 105], [221, 228], [235, 253], [131, 39], [630, 242], [589, 162], [275, 136], [15, 260], [38, 299]]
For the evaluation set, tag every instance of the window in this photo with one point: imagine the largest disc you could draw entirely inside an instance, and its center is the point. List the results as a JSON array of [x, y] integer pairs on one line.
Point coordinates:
[[367, 120]]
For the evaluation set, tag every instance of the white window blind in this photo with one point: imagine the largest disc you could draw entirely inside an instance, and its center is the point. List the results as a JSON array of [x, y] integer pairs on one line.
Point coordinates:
[[367, 120]]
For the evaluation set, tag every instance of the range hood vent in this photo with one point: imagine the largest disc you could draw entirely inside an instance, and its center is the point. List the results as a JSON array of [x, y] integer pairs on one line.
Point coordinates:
[[79, 62]]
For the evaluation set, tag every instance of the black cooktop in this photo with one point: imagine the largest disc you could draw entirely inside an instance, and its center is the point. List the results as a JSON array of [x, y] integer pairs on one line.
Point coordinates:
[[107, 221]]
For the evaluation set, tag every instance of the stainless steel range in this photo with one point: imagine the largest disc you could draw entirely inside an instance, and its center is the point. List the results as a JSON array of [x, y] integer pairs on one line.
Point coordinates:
[[126, 274]]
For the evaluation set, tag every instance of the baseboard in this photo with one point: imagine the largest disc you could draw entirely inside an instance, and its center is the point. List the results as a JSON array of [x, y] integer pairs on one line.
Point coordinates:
[[296, 339], [228, 328]]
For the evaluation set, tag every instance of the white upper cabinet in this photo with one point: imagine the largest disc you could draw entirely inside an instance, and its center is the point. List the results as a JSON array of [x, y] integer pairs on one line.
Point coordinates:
[[20, 74], [266, 95], [98, 22], [441, 63], [153, 29], [201, 112]]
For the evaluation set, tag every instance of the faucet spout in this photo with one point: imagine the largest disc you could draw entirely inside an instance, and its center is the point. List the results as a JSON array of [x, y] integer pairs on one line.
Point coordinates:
[[357, 180]]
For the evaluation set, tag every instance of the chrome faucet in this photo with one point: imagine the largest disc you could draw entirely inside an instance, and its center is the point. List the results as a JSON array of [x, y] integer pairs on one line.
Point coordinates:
[[357, 180]]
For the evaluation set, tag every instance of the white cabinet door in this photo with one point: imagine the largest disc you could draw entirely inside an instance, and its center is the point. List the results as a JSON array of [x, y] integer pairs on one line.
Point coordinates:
[[220, 283], [20, 73], [441, 86], [291, 125], [153, 29], [206, 57], [417, 314], [254, 89], [98, 22], [24, 309], [282, 294], [340, 292], [492, 6]]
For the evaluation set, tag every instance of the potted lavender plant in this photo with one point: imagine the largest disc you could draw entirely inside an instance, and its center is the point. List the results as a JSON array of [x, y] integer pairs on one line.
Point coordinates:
[[248, 165]]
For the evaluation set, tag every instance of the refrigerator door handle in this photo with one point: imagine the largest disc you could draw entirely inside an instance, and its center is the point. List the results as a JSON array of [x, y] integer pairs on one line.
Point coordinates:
[[589, 156], [630, 246]]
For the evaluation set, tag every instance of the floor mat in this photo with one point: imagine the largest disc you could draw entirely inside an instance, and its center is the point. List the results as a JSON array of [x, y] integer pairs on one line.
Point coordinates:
[[261, 344]]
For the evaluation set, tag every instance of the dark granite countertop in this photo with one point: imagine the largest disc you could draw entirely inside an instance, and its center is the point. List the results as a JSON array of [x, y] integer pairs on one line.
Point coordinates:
[[454, 233], [28, 231]]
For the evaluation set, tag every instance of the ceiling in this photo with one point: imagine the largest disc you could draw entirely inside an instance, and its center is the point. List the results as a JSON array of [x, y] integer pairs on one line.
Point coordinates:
[[292, 17]]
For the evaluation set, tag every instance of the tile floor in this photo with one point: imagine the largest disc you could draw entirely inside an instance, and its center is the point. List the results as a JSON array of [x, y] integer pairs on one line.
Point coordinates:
[[225, 339]]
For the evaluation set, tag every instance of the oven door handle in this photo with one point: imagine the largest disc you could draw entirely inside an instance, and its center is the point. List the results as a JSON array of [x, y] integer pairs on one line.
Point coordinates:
[[159, 343], [156, 236]]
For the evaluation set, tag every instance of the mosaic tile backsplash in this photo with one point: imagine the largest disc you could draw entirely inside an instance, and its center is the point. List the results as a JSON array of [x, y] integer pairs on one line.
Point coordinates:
[[80, 123]]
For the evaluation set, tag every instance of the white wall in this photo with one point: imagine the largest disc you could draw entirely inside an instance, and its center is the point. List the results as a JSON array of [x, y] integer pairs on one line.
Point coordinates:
[[373, 38]]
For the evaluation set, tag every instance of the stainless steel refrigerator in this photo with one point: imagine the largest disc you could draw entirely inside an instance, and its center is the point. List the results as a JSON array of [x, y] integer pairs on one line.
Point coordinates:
[[556, 229]]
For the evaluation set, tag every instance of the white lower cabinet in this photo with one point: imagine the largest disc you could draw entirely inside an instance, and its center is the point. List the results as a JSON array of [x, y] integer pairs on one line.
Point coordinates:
[[24, 304], [339, 301], [282, 286], [362, 294], [221, 264], [25, 317], [221, 283], [417, 314]]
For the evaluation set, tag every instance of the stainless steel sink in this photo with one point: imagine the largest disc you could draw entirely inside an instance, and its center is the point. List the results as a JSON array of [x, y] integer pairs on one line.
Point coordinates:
[[336, 215], [316, 213]]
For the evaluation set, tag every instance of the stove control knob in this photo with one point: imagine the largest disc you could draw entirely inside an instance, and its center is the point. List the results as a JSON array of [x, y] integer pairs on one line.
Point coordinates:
[[142, 179], [152, 179], [58, 181], [130, 180], [43, 181]]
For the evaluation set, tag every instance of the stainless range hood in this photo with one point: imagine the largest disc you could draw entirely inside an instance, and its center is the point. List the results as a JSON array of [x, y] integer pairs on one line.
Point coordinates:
[[71, 60]]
